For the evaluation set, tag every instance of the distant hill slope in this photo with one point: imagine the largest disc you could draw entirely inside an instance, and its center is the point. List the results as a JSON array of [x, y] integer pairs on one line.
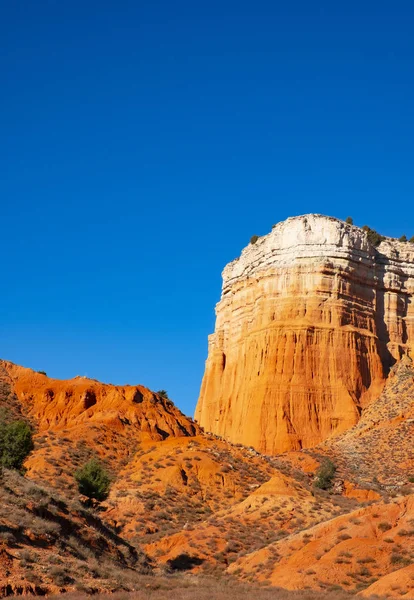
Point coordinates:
[[370, 551], [380, 448]]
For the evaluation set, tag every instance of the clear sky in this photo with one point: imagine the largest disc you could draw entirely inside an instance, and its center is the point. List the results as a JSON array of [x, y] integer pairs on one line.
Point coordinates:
[[144, 142]]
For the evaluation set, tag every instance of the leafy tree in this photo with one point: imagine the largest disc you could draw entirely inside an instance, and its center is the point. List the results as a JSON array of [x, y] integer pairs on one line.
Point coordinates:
[[411, 240], [15, 444], [254, 239], [93, 480], [163, 394], [373, 236], [325, 475], [403, 238], [349, 220]]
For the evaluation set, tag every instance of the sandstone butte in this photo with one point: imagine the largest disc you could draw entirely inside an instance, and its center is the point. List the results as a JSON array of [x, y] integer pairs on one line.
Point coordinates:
[[311, 319]]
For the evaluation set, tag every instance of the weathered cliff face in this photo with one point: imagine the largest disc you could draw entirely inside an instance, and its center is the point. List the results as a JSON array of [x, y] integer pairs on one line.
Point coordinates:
[[79, 403], [311, 318]]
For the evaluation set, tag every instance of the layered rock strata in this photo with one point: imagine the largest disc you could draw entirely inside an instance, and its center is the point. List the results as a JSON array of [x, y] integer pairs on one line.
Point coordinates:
[[311, 318]]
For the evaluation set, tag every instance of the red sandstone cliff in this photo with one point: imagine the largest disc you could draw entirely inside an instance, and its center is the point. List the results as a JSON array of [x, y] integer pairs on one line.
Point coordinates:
[[54, 404], [311, 318]]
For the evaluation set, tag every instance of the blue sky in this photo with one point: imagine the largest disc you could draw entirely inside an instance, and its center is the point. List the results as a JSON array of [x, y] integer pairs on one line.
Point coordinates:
[[143, 143]]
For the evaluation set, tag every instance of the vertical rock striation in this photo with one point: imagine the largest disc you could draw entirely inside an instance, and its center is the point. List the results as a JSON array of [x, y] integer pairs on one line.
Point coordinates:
[[310, 320]]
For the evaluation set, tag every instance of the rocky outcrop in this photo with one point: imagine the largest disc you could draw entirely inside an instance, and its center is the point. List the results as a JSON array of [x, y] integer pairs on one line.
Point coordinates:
[[56, 405], [311, 319]]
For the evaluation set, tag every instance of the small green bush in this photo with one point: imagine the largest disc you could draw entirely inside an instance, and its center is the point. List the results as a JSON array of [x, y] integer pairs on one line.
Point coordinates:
[[42, 373], [93, 480], [325, 475], [373, 236], [254, 239], [411, 240], [403, 238], [349, 220], [163, 394], [15, 444]]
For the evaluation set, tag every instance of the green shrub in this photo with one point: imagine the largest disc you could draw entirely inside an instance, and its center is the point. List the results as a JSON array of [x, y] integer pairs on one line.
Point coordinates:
[[15, 444], [93, 480], [254, 239], [411, 240], [349, 220], [163, 394], [403, 238], [325, 474], [373, 236], [42, 373]]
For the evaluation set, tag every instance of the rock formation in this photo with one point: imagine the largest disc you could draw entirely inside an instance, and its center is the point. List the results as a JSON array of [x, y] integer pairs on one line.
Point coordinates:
[[53, 404], [311, 318]]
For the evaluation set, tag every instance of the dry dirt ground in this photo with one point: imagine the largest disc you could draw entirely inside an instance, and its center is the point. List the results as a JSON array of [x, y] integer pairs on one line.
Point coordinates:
[[203, 588]]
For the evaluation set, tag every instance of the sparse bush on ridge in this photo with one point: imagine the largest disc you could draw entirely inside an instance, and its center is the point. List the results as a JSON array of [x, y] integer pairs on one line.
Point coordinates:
[[325, 474], [15, 444], [373, 236], [349, 220], [403, 238], [254, 239], [93, 480], [163, 394], [42, 373]]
